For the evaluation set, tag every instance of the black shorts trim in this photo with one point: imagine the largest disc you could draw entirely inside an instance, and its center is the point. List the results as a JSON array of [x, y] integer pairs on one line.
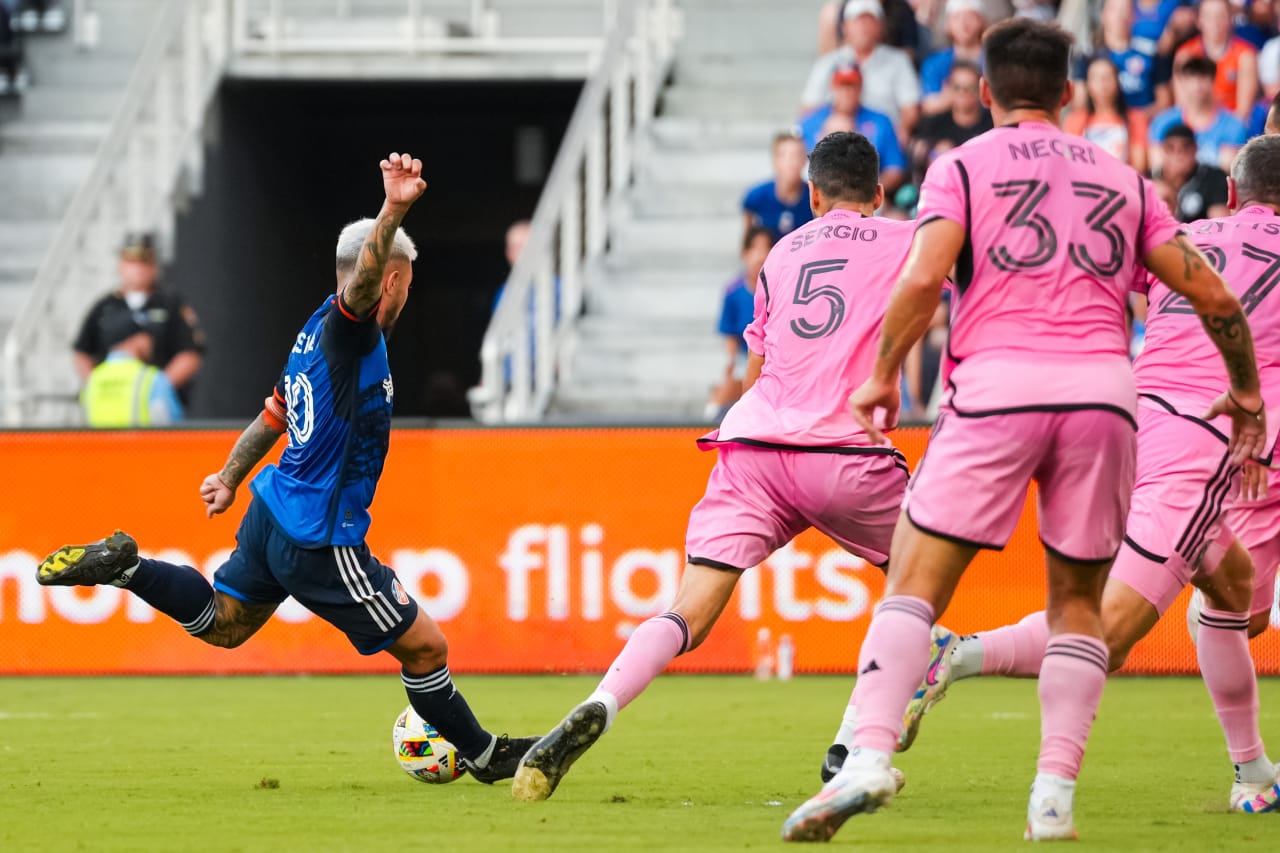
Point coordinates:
[[712, 564], [1055, 407], [955, 540], [1138, 549], [808, 448], [1168, 407], [1093, 561]]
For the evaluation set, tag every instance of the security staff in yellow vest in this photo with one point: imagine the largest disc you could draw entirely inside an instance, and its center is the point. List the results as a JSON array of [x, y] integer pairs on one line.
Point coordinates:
[[125, 391]]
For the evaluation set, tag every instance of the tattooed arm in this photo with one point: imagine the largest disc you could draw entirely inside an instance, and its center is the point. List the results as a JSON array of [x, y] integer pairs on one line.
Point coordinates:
[[218, 491], [914, 300], [1179, 264], [402, 180]]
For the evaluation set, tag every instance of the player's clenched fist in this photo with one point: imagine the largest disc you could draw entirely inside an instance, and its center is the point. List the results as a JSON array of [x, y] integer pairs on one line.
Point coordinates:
[[216, 494], [402, 179]]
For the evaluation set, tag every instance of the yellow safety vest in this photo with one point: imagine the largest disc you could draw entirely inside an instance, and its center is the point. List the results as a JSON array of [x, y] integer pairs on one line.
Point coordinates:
[[118, 393]]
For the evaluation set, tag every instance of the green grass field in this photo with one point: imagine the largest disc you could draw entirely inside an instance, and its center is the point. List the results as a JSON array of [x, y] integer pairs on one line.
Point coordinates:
[[698, 763]]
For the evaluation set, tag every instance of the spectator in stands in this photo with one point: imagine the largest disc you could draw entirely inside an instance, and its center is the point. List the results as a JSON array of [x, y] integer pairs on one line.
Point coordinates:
[[1219, 133], [177, 342], [890, 84], [1269, 78], [900, 26], [736, 312], [781, 204], [1134, 58], [965, 24], [1106, 119], [847, 112], [965, 119], [124, 390], [1201, 189], [1235, 86], [1272, 124]]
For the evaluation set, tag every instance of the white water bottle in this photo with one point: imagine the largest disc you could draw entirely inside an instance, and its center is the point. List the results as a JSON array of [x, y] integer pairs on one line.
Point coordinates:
[[786, 657], [764, 655]]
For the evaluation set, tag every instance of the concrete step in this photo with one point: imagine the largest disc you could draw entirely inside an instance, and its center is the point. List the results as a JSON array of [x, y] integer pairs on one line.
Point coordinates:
[[52, 136], [658, 296], [654, 200], [721, 70], [733, 168], [60, 102], [691, 132], [37, 187], [774, 101], [648, 403], [683, 234], [87, 69]]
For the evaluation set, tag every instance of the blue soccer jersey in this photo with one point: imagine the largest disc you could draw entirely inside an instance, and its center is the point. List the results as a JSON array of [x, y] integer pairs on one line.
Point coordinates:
[[337, 392]]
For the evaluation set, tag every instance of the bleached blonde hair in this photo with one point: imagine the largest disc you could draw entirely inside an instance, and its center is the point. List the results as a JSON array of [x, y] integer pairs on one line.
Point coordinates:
[[353, 236]]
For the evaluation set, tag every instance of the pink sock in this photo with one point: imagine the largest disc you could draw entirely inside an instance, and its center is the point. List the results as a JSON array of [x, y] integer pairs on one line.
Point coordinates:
[[648, 651], [1015, 650], [893, 661], [1071, 680], [1227, 667]]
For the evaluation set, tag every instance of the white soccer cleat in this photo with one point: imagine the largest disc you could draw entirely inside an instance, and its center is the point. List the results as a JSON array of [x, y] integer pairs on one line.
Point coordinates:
[[934, 687], [854, 790], [1049, 821], [1256, 797]]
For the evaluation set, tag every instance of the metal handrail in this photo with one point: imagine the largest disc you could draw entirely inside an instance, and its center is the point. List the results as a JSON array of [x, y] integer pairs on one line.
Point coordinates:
[[525, 350], [152, 141]]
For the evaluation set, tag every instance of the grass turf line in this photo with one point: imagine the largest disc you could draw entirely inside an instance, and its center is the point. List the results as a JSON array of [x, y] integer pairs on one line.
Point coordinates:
[[697, 763]]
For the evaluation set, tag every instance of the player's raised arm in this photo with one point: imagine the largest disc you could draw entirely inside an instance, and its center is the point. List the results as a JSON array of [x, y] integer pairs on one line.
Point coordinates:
[[402, 180], [1181, 266], [915, 297]]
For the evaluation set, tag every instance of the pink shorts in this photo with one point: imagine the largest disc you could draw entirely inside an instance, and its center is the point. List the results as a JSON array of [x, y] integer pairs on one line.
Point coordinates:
[[1257, 526], [1175, 524], [759, 499], [972, 483]]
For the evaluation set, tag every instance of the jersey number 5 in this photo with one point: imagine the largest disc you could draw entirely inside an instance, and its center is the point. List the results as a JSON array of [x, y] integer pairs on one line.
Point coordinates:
[[302, 408], [808, 291]]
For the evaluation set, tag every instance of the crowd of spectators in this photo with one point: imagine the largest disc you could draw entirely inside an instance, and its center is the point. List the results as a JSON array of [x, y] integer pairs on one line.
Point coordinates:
[[1172, 87]]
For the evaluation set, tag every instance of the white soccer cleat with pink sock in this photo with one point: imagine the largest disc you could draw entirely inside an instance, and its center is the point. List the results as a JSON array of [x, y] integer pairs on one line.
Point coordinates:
[[1050, 821], [1256, 797], [854, 790]]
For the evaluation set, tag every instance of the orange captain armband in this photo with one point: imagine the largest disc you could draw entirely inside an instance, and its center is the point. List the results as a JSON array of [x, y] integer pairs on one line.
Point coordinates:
[[273, 412]]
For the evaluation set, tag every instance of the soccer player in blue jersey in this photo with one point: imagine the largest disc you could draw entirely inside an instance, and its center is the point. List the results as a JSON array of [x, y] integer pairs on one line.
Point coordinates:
[[304, 534]]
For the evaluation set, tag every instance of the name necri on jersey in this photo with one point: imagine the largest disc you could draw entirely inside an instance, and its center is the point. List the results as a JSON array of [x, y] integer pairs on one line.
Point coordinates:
[[1038, 149]]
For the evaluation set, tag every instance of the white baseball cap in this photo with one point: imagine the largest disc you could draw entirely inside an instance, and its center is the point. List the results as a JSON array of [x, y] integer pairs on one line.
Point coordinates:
[[854, 8], [954, 6]]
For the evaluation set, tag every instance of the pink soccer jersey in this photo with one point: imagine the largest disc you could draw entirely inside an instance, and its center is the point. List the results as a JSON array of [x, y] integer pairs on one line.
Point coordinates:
[[1057, 230], [1179, 367], [820, 302]]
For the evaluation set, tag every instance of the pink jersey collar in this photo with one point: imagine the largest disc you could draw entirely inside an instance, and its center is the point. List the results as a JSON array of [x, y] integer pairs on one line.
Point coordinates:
[[1257, 210]]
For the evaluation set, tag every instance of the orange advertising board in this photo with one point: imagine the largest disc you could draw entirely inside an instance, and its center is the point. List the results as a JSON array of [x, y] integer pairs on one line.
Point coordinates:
[[536, 549]]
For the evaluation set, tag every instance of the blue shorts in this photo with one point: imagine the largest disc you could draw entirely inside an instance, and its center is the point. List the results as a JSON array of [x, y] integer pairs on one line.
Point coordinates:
[[344, 585]]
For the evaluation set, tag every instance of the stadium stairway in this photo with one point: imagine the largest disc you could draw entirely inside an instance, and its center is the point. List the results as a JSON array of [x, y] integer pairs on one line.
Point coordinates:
[[647, 348], [47, 142]]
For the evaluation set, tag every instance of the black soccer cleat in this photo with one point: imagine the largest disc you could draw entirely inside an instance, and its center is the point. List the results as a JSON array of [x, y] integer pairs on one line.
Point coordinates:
[[550, 758], [103, 562], [834, 761], [504, 759]]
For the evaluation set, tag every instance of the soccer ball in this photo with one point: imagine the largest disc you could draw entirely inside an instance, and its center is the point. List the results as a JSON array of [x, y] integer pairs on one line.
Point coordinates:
[[422, 752]]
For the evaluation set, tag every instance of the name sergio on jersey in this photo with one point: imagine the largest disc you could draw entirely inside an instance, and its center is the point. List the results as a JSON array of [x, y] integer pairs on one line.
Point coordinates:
[[840, 232]]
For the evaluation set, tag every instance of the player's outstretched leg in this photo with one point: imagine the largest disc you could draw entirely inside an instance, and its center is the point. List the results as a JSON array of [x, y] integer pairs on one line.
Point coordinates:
[[704, 592], [934, 687], [180, 592], [422, 650]]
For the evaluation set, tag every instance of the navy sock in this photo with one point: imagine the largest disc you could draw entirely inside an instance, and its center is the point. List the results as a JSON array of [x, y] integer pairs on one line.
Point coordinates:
[[179, 592], [438, 702]]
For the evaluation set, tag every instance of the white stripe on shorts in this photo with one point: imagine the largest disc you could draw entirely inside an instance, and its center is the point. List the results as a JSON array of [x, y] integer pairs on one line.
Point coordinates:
[[361, 589]]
